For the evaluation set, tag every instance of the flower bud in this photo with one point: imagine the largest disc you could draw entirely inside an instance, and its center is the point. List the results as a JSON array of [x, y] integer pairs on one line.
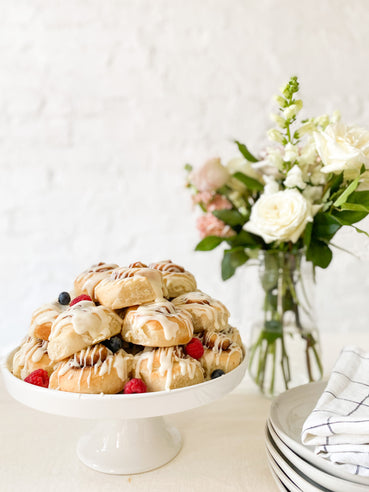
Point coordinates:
[[275, 135], [278, 119], [280, 101], [290, 112]]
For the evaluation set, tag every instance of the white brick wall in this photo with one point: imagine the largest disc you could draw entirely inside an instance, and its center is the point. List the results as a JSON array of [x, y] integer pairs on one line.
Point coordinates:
[[101, 104]]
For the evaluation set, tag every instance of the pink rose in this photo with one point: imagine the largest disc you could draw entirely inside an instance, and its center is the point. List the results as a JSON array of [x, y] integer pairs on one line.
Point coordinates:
[[211, 176], [209, 225], [219, 202]]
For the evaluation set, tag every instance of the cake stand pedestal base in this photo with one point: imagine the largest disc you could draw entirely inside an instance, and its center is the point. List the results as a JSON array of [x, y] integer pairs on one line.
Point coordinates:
[[125, 447]]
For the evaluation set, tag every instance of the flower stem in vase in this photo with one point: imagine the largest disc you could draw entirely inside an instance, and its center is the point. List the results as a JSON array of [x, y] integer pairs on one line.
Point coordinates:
[[285, 352]]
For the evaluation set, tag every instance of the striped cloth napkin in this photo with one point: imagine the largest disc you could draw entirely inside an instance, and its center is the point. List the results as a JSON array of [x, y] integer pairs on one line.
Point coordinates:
[[338, 426]]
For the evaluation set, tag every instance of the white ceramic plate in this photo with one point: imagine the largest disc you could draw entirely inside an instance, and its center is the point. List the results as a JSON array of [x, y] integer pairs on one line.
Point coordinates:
[[282, 481], [287, 415], [299, 479], [320, 477]]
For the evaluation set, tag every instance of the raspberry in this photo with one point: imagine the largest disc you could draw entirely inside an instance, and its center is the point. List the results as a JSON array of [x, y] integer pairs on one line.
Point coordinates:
[[194, 348], [135, 385], [39, 377], [83, 297]]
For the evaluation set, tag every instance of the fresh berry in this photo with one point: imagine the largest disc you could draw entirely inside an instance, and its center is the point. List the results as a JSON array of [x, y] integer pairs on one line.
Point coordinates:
[[83, 297], [39, 377], [217, 373], [64, 298], [135, 385], [194, 348], [114, 343]]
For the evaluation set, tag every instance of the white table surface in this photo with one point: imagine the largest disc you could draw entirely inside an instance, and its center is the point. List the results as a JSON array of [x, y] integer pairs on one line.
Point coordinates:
[[223, 447]]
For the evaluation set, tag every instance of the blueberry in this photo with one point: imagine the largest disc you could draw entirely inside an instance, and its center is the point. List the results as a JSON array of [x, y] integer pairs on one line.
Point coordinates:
[[217, 373], [64, 298], [114, 343]]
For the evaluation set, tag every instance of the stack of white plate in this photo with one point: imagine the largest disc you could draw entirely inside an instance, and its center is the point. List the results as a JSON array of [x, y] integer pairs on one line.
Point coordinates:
[[294, 466]]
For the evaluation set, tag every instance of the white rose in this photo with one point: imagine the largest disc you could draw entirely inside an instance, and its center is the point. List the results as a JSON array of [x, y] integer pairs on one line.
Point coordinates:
[[281, 216], [294, 178], [341, 147], [211, 176]]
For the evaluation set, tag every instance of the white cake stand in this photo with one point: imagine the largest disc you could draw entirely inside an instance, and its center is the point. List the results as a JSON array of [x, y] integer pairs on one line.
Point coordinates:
[[132, 435]]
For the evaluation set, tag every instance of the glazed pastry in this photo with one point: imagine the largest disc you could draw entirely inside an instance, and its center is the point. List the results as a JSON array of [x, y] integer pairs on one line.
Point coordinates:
[[80, 326], [32, 355], [176, 279], [207, 313], [157, 324], [43, 318], [221, 339], [93, 370], [221, 351], [87, 281], [124, 287], [167, 368]]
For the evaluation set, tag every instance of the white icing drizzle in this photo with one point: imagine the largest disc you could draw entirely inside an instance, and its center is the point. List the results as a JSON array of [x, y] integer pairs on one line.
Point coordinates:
[[164, 313], [216, 357], [91, 277], [162, 361], [101, 368], [200, 305], [33, 350], [86, 319], [47, 313], [175, 278]]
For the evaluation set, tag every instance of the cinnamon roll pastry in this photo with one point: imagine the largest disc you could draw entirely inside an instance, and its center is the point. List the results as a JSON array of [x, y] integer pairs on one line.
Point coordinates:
[[87, 281], [43, 318], [80, 326], [221, 339], [167, 368], [32, 355], [124, 287], [221, 351], [176, 279], [207, 313], [157, 324], [93, 370]]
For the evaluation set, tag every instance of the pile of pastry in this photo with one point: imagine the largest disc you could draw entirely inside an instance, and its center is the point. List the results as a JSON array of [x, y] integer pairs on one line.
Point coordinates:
[[128, 330]]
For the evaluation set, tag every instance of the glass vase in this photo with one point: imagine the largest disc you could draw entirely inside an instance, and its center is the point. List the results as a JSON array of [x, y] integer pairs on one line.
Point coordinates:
[[285, 348]]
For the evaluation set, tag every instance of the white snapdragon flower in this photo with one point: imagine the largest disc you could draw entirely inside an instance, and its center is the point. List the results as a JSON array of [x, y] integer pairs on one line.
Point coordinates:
[[291, 153], [275, 135], [308, 154], [272, 162], [280, 216], [294, 178], [271, 185], [342, 148], [313, 193]]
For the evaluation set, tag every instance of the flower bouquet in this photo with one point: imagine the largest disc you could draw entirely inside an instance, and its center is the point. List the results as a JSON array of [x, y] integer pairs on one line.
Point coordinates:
[[283, 208]]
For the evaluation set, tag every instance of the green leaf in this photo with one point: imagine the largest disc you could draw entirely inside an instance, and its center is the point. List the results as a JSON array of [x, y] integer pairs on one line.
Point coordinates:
[[245, 152], [209, 243], [232, 259], [230, 217], [359, 197], [325, 226], [188, 167], [348, 217], [307, 234], [356, 207], [250, 183], [319, 254], [344, 196], [334, 183], [244, 238]]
